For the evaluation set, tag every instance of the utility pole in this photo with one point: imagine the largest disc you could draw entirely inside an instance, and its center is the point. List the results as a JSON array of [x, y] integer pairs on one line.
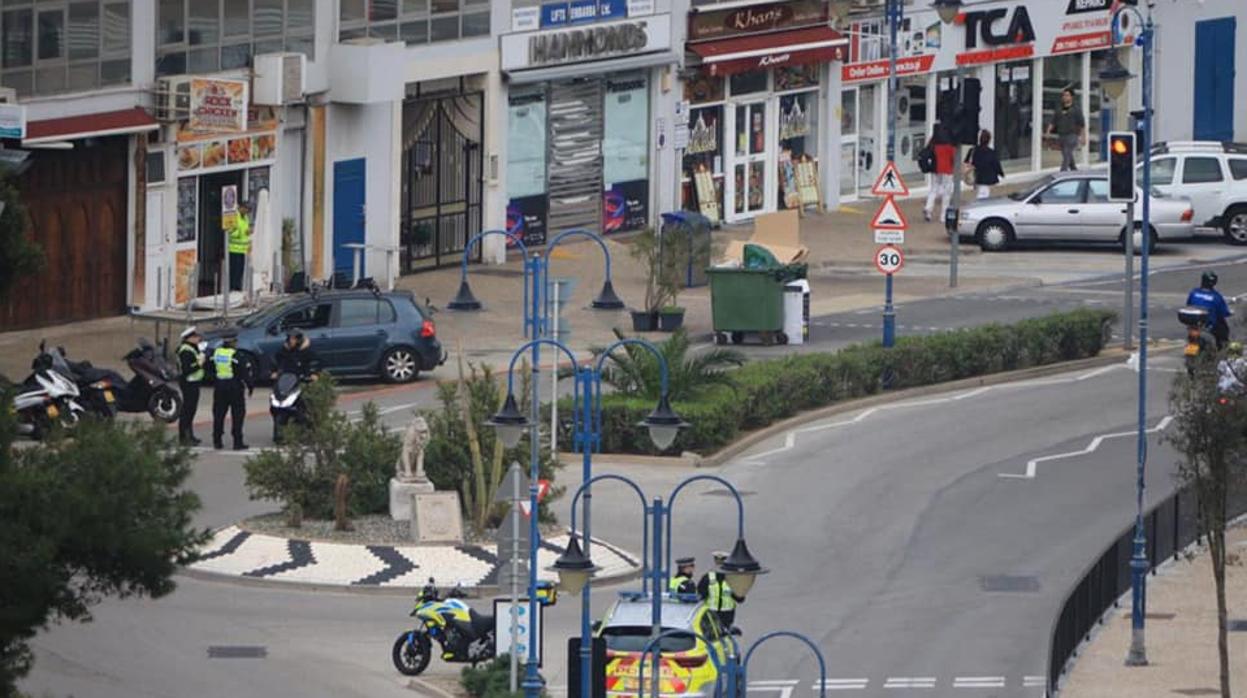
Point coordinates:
[[894, 23]]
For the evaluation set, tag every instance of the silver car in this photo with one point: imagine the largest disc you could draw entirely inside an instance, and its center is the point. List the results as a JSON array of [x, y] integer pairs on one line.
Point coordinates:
[[1070, 207]]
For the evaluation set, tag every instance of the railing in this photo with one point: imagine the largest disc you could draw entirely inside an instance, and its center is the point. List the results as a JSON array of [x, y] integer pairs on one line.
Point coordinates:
[[1171, 526]]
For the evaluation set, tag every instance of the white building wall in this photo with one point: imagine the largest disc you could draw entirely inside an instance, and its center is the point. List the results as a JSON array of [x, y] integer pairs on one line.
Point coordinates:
[[1174, 92]]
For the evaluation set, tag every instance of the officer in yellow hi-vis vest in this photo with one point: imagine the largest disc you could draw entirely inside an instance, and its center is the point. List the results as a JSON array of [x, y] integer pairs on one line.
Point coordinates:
[[719, 597], [232, 375], [192, 362], [682, 582], [239, 246]]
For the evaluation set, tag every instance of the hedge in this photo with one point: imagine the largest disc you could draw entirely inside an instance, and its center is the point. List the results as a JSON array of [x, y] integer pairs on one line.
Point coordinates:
[[771, 390]]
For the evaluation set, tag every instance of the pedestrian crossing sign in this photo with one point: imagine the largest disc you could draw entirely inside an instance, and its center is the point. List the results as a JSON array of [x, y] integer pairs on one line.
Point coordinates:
[[890, 182], [889, 216]]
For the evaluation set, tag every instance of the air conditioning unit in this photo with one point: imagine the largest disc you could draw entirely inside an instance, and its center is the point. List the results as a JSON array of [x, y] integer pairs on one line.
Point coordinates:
[[278, 78], [172, 98]]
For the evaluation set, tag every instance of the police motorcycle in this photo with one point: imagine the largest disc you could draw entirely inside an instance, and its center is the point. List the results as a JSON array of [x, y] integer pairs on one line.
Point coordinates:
[[152, 389], [286, 403], [1199, 341], [464, 635], [46, 398]]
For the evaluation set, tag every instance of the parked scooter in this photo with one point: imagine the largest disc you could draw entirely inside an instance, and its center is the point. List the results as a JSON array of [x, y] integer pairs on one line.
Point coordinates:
[[153, 389], [1199, 341], [286, 404], [46, 398]]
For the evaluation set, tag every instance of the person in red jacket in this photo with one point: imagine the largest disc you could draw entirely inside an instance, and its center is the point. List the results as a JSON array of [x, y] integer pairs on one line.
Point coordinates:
[[941, 144]]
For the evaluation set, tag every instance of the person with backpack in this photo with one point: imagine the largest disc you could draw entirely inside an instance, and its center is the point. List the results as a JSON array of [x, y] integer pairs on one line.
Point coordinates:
[[985, 164], [939, 155]]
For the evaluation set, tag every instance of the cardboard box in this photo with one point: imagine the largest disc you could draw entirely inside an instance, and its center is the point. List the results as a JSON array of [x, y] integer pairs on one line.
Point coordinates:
[[778, 232]]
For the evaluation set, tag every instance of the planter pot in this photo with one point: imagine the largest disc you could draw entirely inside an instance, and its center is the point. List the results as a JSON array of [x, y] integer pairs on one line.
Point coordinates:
[[670, 320], [644, 321]]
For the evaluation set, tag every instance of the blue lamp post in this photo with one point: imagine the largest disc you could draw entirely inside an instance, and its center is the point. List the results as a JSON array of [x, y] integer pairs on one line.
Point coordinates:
[[575, 567], [663, 425], [1113, 79]]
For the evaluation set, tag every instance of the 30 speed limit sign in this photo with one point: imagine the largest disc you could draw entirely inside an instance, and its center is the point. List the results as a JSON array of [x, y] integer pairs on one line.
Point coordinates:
[[889, 259]]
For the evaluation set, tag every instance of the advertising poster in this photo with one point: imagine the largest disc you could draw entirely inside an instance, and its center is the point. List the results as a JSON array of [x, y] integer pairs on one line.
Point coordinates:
[[526, 220], [185, 267], [218, 106], [625, 206]]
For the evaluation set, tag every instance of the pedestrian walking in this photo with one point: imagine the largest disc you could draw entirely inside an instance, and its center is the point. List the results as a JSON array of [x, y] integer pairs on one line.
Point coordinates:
[[192, 362], [1070, 128], [239, 246], [985, 164], [232, 376], [719, 597], [941, 185], [682, 582]]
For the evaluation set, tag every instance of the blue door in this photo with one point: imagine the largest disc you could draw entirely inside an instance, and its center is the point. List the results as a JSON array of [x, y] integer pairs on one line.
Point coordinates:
[[348, 214], [1214, 80]]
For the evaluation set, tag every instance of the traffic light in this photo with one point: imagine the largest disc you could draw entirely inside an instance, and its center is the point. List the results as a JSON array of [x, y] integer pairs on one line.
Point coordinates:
[[968, 114], [1121, 156]]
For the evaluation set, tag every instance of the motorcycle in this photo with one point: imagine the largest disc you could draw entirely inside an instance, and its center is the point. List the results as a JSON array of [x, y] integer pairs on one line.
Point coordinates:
[[286, 404], [153, 388], [1199, 341], [46, 398], [464, 635]]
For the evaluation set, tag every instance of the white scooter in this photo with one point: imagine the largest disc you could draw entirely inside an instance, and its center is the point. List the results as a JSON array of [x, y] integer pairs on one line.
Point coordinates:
[[47, 398]]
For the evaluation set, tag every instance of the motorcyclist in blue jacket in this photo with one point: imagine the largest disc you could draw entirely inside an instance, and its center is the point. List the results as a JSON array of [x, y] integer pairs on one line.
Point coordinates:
[[1207, 297]]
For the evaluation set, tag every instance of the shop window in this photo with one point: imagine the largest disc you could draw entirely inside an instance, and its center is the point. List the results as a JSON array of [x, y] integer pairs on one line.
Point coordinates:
[[625, 153], [1015, 115], [155, 166], [203, 36], [702, 187], [796, 77], [1060, 73], [1201, 171], [70, 44], [413, 21], [911, 121], [848, 112], [798, 144], [704, 87], [748, 83], [526, 165]]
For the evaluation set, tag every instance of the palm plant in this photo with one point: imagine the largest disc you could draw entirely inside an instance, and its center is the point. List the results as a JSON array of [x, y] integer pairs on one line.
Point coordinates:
[[632, 370]]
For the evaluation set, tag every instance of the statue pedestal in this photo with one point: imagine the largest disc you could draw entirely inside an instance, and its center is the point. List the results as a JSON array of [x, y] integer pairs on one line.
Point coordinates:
[[436, 518], [401, 495]]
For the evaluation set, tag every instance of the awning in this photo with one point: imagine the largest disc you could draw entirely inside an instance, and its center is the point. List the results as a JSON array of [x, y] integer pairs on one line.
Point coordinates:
[[109, 123], [794, 47]]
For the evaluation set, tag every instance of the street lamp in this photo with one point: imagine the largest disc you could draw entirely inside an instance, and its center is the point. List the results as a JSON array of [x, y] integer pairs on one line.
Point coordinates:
[[510, 423], [574, 567], [663, 424], [947, 9], [1114, 77], [741, 569]]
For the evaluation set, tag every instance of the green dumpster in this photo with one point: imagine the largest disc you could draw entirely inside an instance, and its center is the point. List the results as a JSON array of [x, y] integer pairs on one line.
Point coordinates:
[[747, 301]]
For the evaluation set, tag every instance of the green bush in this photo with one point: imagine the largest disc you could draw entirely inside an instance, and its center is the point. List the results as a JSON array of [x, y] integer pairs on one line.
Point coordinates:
[[764, 392], [492, 680]]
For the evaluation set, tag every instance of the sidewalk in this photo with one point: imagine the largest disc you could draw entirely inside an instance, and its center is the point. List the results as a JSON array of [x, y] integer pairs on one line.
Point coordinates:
[[257, 558], [1181, 635]]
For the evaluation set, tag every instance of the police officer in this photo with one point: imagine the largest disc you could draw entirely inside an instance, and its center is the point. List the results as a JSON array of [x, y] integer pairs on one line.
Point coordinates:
[[682, 582], [232, 375], [239, 246], [192, 362], [1208, 297], [719, 597]]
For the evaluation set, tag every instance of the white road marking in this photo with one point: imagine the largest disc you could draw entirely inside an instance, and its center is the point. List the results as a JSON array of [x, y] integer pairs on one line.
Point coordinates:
[[979, 682], [1033, 464], [910, 682], [842, 685], [1034, 681], [775, 682], [784, 691]]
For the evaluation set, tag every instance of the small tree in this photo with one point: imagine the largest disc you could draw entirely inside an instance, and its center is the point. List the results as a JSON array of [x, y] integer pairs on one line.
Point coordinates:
[[19, 256], [633, 370], [1211, 436], [104, 514]]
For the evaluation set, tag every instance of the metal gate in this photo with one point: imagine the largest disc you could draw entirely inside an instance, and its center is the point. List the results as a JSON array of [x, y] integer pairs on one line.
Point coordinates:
[[575, 171], [441, 187]]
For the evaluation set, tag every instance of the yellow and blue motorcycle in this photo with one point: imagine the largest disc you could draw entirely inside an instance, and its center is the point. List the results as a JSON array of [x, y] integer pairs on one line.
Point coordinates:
[[463, 635]]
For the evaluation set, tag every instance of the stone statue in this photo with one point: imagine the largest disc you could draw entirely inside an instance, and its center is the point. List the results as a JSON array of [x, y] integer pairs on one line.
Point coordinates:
[[410, 466]]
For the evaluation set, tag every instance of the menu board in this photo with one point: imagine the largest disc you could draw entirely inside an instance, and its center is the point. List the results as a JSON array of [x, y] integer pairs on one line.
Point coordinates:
[[807, 182], [188, 206]]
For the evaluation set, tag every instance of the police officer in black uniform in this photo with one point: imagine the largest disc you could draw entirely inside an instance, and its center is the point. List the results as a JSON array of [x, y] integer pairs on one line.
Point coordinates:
[[232, 376], [192, 363]]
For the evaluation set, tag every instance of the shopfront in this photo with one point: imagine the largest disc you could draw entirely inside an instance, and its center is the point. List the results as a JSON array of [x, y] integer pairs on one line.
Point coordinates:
[[1023, 54], [756, 99], [579, 108]]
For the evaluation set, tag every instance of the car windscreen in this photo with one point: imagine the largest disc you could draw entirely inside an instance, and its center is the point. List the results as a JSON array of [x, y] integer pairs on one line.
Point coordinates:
[[265, 315], [634, 638]]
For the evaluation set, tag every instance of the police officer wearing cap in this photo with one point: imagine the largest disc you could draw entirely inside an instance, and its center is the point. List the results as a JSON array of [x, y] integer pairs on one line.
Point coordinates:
[[192, 361], [682, 582], [719, 597], [232, 375]]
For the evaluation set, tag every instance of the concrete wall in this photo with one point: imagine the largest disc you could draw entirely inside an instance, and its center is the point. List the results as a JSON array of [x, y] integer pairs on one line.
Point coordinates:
[[1175, 65], [366, 131]]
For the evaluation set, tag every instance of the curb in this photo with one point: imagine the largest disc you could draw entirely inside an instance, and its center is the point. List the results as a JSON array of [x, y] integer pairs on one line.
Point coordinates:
[[421, 686]]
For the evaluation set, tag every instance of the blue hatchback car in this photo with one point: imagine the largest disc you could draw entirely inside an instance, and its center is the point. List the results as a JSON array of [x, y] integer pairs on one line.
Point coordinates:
[[354, 333]]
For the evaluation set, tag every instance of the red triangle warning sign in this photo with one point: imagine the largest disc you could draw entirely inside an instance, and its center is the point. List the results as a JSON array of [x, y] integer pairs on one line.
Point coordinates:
[[890, 182], [889, 216]]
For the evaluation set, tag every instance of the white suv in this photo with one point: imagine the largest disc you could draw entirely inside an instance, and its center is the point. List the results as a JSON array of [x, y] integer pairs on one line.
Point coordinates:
[[1213, 176]]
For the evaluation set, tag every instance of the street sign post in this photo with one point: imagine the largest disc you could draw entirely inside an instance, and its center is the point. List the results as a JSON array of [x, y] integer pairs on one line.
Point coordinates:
[[527, 629], [889, 237], [889, 259], [889, 216], [890, 182], [512, 539]]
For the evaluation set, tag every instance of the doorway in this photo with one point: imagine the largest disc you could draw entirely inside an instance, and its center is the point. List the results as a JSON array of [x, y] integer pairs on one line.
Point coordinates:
[[211, 237], [348, 215], [750, 182], [1214, 80]]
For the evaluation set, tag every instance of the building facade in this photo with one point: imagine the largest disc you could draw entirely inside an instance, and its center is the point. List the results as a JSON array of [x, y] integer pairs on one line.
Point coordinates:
[[1201, 68]]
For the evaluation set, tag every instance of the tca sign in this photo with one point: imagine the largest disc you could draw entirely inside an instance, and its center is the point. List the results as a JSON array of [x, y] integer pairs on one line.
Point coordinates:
[[986, 25]]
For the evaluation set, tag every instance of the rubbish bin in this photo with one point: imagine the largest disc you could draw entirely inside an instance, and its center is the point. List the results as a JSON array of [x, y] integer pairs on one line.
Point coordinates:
[[797, 311], [750, 302], [694, 229]]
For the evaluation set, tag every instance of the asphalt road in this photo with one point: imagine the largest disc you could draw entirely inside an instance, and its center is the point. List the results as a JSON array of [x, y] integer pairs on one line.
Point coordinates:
[[880, 534]]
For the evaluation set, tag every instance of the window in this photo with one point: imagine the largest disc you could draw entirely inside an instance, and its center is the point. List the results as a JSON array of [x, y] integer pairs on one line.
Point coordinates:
[[1201, 171], [1068, 191], [51, 46], [1238, 168], [207, 36], [1097, 191], [361, 312], [413, 21], [310, 317], [1162, 172]]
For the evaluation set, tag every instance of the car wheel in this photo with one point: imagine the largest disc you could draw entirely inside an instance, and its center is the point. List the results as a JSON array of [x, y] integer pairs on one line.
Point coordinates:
[[400, 365], [1235, 225], [1138, 240], [994, 235]]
